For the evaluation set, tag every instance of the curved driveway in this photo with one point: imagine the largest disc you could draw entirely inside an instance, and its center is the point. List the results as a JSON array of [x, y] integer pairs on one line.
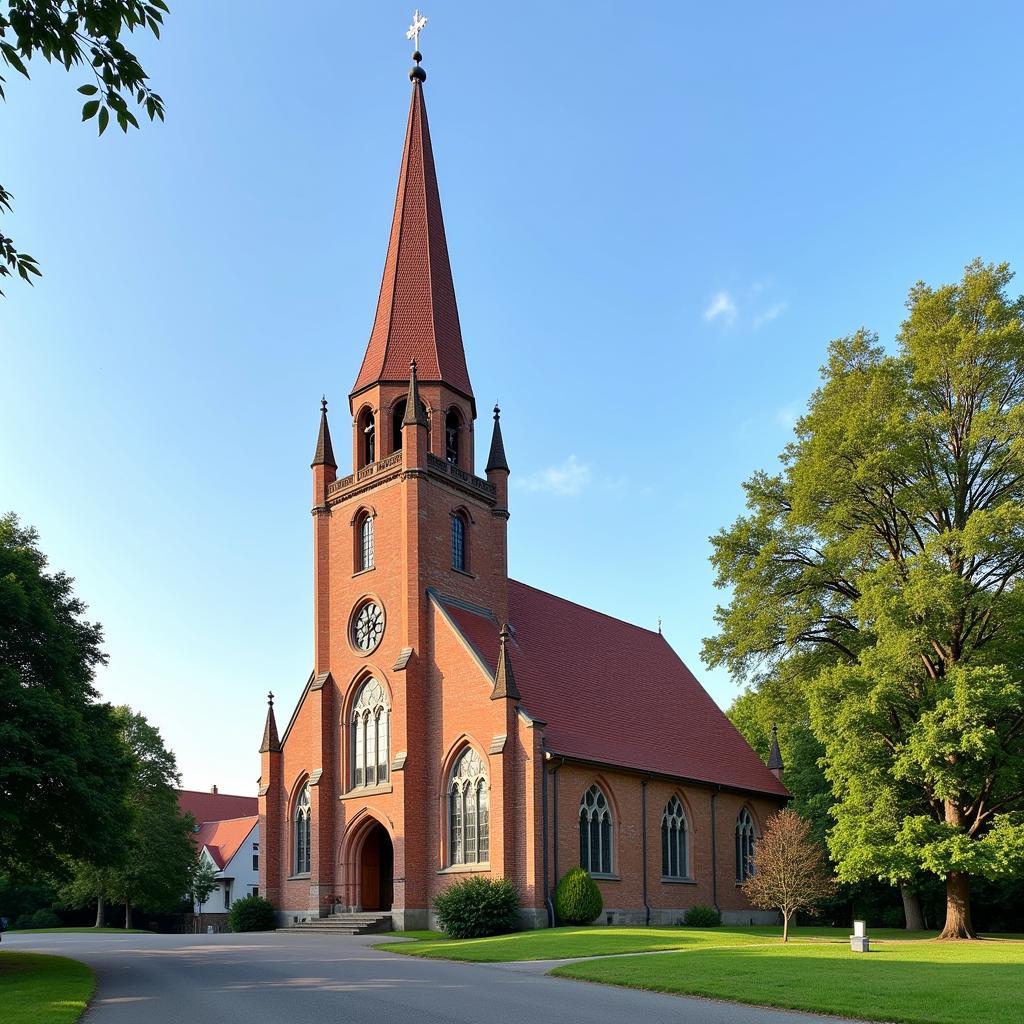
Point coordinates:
[[280, 977]]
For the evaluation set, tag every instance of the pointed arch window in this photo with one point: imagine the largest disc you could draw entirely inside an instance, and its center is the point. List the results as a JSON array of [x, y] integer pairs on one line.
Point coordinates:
[[675, 861], [365, 542], [371, 735], [302, 830], [366, 440], [468, 811], [595, 832], [459, 531], [745, 838], [452, 431]]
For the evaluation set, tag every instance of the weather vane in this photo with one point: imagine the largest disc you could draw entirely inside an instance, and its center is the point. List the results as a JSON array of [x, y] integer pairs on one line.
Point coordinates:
[[417, 26]]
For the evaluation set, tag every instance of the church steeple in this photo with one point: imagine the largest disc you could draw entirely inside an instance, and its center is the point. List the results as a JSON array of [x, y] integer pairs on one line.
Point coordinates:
[[324, 454], [417, 316]]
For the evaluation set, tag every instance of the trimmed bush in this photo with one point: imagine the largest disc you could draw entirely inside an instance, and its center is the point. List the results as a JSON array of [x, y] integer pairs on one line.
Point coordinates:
[[45, 918], [702, 917], [252, 914], [477, 907], [22, 921], [577, 898]]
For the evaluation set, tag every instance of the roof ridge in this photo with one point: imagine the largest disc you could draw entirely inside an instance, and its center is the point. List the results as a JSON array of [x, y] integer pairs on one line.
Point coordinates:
[[206, 792], [593, 611]]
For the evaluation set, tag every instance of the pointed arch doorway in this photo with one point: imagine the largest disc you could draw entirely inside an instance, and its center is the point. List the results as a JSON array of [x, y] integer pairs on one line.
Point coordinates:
[[376, 870]]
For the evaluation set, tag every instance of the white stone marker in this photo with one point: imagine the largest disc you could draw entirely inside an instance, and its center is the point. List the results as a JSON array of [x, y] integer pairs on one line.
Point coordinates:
[[859, 941]]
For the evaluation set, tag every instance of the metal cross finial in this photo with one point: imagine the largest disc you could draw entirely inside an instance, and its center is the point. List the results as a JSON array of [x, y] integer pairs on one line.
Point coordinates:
[[418, 23], [270, 699]]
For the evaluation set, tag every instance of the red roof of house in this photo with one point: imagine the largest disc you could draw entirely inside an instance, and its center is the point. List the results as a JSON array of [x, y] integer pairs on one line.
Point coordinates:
[[417, 317], [613, 693], [223, 838], [215, 806]]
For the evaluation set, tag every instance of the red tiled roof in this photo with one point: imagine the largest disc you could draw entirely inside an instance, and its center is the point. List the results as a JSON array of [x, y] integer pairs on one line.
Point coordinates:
[[223, 838], [215, 806], [417, 317], [614, 693]]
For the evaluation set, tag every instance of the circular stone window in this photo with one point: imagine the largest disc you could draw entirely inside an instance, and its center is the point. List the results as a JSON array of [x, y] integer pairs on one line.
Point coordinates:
[[367, 626]]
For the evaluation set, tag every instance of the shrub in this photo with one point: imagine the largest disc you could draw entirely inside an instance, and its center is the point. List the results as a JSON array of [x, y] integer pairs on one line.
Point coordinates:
[[22, 921], [702, 917], [252, 914], [577, 898], [45, 918], [477, 907]]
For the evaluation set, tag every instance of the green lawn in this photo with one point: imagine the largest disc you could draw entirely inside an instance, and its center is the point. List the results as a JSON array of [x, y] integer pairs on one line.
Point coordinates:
[[564, 943], [80, 931], [37, 989], [919, 982]]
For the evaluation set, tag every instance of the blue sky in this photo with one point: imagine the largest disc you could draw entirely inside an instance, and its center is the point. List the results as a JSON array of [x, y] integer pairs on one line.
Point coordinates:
[[658, 216]]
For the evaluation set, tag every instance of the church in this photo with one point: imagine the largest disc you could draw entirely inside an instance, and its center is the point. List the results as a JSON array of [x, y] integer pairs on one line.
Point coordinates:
[[457, 721]]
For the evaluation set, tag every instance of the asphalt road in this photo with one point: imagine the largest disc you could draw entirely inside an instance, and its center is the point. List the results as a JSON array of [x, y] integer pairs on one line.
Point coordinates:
[[277, 978]]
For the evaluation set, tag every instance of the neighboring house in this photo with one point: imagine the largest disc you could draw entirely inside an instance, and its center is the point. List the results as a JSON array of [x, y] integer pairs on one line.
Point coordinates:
[[233, 848], [456, 721], [228, 836]]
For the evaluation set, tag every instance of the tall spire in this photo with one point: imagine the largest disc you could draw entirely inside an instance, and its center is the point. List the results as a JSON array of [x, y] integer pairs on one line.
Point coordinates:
[[417, 316], [324, 454], [270, 741], [504, 680], [496, 459], [414, 412]]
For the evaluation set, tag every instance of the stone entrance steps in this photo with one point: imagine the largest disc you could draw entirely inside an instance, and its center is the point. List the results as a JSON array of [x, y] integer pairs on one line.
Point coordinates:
[[344, 924]]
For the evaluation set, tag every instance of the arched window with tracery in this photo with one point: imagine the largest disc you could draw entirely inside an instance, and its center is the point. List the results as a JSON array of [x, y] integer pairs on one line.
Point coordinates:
[[452, 431], [371, 735], [364, 542], [460, 560], [675, 862], [595, 832], [303, 832], [745, 837], [468, 811]]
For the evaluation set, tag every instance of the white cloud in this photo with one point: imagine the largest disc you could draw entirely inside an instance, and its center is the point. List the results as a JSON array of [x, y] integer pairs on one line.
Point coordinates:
[[721, 307], [568, 478], [771, 313]]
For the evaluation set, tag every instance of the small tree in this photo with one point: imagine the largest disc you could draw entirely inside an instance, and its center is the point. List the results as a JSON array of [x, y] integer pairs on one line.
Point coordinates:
[[202, 882], [789, 870]]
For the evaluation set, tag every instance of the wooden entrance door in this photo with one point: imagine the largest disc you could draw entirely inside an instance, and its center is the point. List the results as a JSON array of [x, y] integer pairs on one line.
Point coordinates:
[[376, 871]]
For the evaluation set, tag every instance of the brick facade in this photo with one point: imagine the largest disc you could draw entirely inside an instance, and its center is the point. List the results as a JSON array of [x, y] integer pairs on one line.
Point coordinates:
[[439, 683]]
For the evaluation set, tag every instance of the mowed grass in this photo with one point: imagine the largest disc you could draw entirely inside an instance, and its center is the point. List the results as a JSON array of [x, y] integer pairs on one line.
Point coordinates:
[[565, 943], [39, 989], [918, 982]]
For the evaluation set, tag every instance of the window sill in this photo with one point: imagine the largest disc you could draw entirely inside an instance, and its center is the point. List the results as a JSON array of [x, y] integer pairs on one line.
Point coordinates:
[[459, 869], [464, 572], [359, 791], [363, 572], [668, 880], [299, 877], [600, 877]]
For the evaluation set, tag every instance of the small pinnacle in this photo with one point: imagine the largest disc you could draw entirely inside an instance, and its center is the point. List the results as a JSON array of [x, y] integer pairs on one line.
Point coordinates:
[[412, 366]]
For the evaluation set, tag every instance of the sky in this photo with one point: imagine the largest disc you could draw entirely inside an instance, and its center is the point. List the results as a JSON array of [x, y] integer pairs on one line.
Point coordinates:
[[658, 216]]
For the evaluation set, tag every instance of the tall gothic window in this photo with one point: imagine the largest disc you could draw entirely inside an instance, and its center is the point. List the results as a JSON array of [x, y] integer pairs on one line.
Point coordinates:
[[674, 861], [371, 725], [452, 426], [365, 560], [303, 814], [595, 832], [458, 542], [468, 812], [744, 845]]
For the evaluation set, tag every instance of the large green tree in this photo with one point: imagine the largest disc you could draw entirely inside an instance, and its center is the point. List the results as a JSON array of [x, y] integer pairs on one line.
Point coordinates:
[[85, 33], [63, 769], [883, 565]]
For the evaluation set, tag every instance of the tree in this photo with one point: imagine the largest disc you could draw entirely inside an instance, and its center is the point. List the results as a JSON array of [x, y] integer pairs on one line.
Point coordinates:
[[789, 873], [87, 33], [202, 882], [63, 770], [156, 854], [882, 567]]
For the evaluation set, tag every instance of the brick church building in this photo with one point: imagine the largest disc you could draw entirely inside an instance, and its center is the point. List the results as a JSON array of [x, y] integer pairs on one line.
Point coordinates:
[[457, 721]]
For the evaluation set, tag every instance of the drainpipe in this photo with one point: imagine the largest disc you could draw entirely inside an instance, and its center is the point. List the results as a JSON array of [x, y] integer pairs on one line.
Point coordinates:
[[714, 850], [643, 833], [554, 817], [550, 907]]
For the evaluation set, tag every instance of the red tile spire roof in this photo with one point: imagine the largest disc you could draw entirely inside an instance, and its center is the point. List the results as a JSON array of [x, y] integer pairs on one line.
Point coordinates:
[[417, 317]]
